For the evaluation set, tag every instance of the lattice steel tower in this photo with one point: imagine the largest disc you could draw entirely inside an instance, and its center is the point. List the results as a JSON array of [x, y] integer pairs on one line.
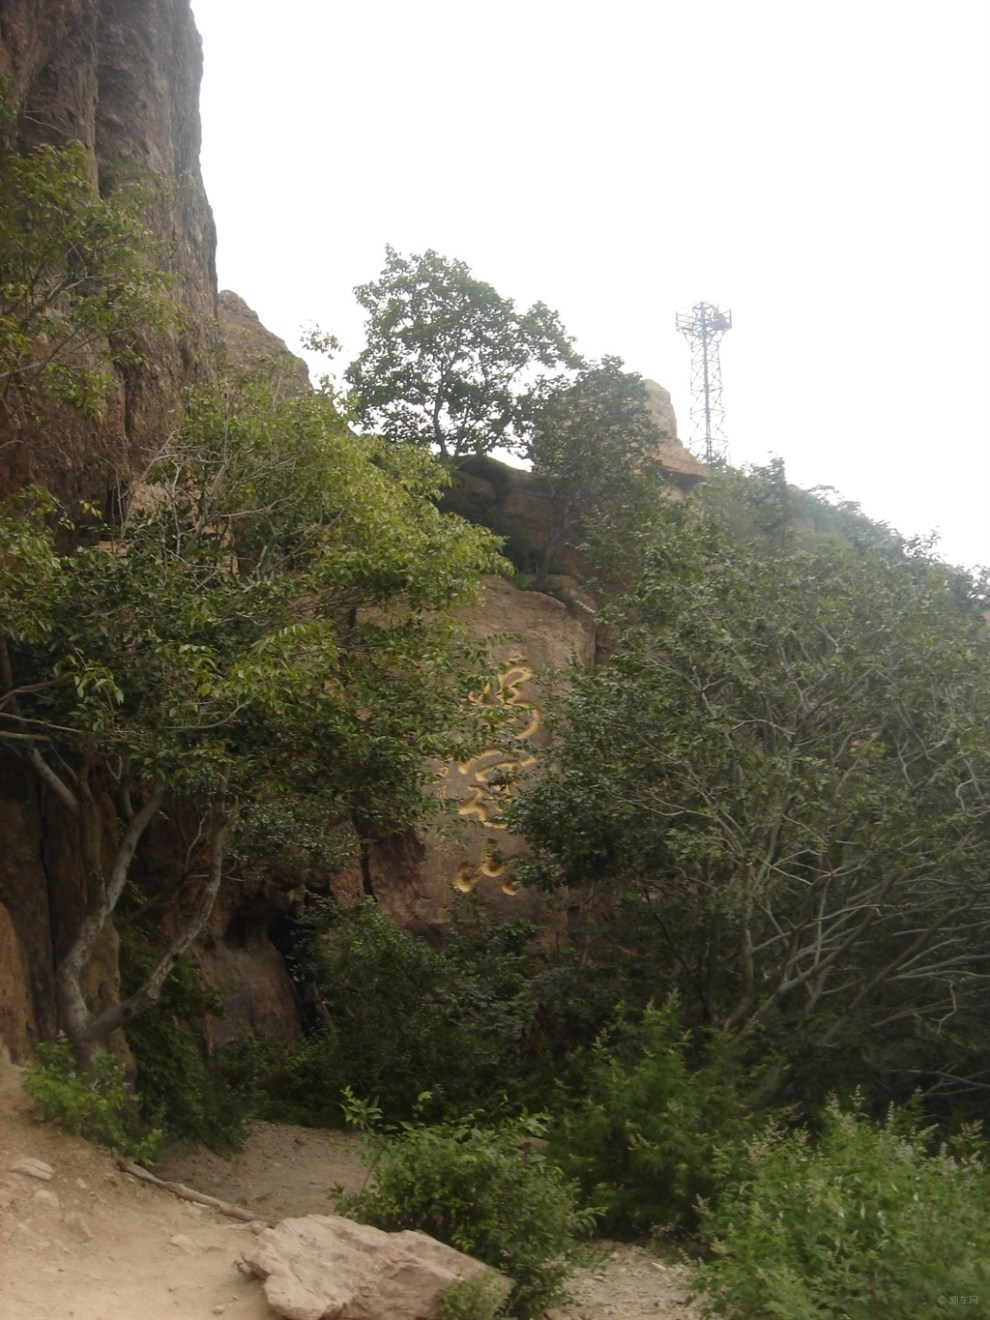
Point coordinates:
[[703, 326]]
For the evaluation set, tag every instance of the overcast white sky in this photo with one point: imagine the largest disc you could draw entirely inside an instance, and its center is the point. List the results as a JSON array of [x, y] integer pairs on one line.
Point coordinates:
[[822, 170]]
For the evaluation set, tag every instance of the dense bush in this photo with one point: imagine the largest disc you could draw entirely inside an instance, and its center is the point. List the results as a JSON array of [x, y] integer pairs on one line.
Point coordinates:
[[96, 1105], [402, 1018], [641, 1139], [866, 1223], [305, 1082], [476, 1189], [784, 763]]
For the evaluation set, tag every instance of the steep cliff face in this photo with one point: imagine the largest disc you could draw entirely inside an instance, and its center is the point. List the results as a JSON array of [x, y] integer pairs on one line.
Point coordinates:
[[123, 79], [679, 463]]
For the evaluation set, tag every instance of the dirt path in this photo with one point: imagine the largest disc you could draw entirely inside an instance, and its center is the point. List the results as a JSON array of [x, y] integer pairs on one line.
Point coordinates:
[[91, 1243]]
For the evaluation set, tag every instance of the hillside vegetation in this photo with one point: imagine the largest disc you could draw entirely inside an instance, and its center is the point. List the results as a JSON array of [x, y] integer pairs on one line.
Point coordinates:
[[763, 818]]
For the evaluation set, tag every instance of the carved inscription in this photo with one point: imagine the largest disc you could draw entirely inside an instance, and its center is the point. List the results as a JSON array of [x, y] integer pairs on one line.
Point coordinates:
[[490, 774]]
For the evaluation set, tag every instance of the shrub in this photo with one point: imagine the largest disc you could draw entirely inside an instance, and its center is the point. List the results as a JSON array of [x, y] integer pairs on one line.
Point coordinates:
[[641, 1140], [305, 1082], [96, 1105], [475, 1189], [178, 1089], [866, 1223], [408, 1018], [479, 1298]]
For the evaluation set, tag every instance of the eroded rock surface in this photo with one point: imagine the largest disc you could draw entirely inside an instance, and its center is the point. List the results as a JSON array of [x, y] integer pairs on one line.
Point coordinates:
[[251, 346]]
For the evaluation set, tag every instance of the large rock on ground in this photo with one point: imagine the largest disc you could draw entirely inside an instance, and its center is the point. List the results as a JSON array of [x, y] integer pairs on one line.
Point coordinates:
[[325, 1267]]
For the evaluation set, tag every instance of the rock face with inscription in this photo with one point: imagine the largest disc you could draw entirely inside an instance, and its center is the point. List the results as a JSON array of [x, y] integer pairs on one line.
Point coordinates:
[[418, 880], [122, 77]]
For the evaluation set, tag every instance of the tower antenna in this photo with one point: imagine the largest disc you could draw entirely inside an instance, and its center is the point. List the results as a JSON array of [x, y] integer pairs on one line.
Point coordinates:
[[703, 327]]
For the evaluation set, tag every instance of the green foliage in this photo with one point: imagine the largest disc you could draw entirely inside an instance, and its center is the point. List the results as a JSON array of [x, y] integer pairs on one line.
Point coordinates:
[[264, 639], [449, 363], [383, 988], [590, 440], [641, 1135], [404, 1020], [760, 506], [362, 1115], [82, 279], [866, 1222], [786, 763], [30, 585], [479, 1298], [475, 1189], [305, 1083], [96, 1104], [180, 1092]]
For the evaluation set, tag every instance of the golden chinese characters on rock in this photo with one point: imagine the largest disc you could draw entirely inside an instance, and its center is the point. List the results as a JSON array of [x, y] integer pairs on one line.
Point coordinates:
[[489, 777]]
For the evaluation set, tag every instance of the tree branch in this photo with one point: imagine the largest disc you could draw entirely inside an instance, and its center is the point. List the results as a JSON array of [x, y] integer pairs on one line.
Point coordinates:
[[118, 1015], [51, 780]]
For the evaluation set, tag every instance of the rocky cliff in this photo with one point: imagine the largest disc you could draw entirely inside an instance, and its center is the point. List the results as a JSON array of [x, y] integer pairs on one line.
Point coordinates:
[[123, 79]]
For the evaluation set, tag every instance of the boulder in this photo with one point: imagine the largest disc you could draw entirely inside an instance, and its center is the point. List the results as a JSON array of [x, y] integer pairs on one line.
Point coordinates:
[[325, 1267]]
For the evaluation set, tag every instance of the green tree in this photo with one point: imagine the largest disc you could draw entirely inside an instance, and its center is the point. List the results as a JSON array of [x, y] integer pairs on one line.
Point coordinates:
[[450, 364], [589, 439], [787, 761], [262, 643], [82, 280]]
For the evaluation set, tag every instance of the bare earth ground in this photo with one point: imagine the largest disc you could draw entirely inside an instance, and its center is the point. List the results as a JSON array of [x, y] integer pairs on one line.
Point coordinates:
[[93, 1243]]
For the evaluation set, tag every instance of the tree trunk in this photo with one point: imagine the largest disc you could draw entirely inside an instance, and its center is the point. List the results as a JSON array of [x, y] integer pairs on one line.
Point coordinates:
[[103, 893], [118, 1015]]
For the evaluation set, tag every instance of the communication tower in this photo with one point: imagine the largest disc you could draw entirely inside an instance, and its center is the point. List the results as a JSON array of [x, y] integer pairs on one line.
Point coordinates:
[[703, 327]]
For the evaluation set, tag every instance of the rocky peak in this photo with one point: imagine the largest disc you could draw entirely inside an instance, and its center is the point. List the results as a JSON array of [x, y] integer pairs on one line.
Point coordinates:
[[249, 345], [678, 461]]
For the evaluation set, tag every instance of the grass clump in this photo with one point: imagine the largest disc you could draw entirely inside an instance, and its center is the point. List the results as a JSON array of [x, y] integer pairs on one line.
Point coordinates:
[[97, 1104]]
